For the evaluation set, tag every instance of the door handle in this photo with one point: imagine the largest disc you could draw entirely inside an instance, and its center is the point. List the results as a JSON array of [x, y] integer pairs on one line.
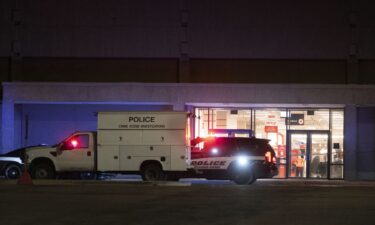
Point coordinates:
[[115, 157]]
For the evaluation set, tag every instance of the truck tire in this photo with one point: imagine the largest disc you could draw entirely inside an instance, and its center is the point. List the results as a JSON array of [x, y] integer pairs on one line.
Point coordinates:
[[152, 172], [43, 171], [12, 171]]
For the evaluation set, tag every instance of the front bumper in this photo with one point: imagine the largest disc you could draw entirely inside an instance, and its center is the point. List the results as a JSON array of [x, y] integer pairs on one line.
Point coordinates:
[[4, 161]]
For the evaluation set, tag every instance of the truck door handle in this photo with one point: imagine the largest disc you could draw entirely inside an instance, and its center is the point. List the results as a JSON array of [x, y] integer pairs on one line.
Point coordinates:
[[115, 157]]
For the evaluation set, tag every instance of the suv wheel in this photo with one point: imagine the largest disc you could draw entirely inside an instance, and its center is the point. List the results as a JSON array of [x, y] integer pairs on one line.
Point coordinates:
[[12, 171], [244, 177]]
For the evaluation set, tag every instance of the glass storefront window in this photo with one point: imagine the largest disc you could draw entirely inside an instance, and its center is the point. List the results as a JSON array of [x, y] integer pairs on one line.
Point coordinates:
[[223, 122], [312, 119], [324, 127], [337, 171], [270, 124], [231, 119], [201, 123], [337, 152], [337, 137], [318, 155]]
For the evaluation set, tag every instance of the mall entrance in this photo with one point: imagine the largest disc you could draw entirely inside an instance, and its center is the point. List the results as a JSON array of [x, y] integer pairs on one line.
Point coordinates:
[[308, 153]]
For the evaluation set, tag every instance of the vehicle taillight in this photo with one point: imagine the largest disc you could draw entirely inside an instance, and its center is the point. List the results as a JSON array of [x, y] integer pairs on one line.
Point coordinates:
[[268, 157]]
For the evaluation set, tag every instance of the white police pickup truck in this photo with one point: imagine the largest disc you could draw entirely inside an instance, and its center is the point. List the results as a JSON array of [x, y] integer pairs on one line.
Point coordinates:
[[147, 143]]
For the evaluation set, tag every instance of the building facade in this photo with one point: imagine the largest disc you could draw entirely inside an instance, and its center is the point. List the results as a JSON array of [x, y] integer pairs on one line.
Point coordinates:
[[300, 73], [330, 126]]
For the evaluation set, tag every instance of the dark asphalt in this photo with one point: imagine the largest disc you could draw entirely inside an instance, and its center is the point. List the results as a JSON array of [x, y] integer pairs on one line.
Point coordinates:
[[188, 202]]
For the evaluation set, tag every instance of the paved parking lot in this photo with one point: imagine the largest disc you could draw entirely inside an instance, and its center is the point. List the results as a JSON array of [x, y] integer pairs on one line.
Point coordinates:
[[187, 202]]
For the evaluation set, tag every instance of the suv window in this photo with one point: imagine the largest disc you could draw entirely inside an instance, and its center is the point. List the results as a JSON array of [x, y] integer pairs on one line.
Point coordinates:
[[234, 146], [224, 146]]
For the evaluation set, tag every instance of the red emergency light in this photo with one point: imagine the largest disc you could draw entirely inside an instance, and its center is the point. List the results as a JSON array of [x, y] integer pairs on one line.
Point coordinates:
[[74, 143]]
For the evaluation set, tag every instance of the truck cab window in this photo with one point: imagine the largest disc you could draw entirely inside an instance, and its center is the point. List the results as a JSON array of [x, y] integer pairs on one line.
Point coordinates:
[[78, 141]]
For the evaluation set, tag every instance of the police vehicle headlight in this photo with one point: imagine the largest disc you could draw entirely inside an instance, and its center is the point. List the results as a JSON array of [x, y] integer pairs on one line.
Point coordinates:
[[214, 151], [242, 161]]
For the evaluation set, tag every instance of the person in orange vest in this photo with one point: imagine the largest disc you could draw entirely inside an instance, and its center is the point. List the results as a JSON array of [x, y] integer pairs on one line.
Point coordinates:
[[300, 163]]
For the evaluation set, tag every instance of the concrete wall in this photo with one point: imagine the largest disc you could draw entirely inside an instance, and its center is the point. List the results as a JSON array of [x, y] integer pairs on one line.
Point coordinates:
[[359, 143], [50, 123], [1, 129], [367, 71], [105, 70], [366, 143], [269, 29], [96, 28], [6, 28], [188, 41], [5, 39], [217, 29], [268, 71]]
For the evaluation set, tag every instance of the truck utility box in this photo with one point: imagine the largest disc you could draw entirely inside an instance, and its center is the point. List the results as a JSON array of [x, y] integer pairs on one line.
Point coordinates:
[[127, 139]]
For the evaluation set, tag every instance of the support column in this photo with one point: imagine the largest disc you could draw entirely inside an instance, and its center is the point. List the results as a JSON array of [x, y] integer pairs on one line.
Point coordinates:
[[179, 107], [189, 108], [352, 65], [350, 142], [7, 126], [184, 60], [15, 59]]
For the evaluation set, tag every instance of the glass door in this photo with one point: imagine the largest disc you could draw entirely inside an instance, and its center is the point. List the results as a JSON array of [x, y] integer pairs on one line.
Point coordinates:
[[297, 154], [308, 154], [318, 155]]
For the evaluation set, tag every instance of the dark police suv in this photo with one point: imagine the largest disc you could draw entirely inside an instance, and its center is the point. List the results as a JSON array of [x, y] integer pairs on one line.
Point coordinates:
[[242, 160]]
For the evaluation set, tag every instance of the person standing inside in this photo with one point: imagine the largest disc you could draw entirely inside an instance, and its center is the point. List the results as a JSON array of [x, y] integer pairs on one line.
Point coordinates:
[[300, 164]]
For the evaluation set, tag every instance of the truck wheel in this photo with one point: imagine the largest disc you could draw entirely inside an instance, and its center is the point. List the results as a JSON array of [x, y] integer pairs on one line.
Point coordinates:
[[43, 171], [12, 171], [152, 172]]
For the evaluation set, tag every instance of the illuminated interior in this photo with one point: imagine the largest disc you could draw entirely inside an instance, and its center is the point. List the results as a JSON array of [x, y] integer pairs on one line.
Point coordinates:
[[322, 129]]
